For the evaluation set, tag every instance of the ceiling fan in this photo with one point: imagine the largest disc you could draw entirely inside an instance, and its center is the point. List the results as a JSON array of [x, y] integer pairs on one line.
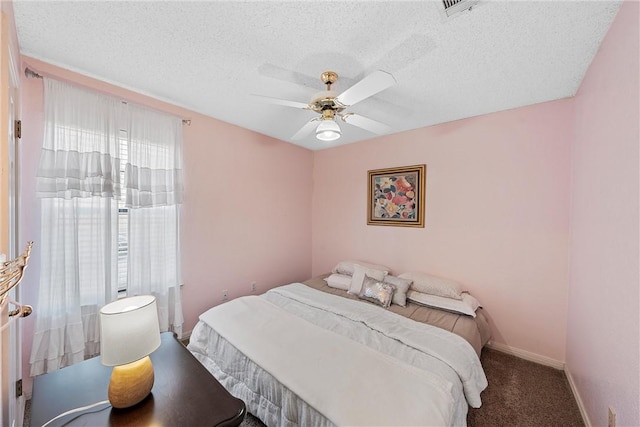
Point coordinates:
[[331, 106]]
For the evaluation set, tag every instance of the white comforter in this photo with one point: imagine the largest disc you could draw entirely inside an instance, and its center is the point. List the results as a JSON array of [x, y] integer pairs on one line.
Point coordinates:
[[351, 362]]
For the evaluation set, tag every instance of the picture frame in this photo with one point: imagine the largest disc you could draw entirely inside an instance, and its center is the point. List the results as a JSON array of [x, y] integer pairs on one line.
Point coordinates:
[[396, 196]]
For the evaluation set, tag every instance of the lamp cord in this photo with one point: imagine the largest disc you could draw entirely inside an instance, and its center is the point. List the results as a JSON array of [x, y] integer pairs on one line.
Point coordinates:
[[82, 408]]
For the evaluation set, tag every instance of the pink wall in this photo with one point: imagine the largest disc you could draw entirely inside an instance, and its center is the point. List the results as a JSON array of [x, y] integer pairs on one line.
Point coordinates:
[[496, 218], [603, 322], [246, 215]]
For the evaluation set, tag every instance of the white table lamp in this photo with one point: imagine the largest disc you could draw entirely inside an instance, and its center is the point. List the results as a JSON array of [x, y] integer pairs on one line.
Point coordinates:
[[129, 332]]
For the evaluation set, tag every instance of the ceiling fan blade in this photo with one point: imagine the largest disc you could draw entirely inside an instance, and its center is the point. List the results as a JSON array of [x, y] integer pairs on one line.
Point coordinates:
[[414, 48], [306, 129], [366, 123], [285, 102], [289, 76], [368, 86]]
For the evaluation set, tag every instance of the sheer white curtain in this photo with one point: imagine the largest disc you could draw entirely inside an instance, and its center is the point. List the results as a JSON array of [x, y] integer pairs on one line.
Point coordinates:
[[154, 191], [78, 181]]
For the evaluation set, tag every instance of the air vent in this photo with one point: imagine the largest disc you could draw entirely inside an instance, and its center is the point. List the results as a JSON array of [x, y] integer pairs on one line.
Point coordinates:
[[453, 7]]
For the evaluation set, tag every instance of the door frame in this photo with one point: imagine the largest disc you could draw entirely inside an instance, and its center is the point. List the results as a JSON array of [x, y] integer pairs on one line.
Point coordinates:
[[12, 410]]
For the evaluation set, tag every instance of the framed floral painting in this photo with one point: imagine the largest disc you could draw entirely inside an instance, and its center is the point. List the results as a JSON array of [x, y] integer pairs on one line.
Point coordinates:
[[397, 196]]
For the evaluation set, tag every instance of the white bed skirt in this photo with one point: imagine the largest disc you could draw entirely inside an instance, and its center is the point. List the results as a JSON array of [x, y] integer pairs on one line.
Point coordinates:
[[265, 397]]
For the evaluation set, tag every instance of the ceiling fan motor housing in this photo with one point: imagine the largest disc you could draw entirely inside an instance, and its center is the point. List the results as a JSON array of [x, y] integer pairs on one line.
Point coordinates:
[[324, 102]]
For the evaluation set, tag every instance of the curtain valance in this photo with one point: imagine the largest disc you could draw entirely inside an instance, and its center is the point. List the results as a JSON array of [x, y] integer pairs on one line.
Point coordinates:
[[89, 135], [154, 168], [81, 149], [70, 174]]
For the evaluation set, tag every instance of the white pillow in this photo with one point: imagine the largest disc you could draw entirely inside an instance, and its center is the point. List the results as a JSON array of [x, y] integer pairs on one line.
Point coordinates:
[[347, 267], [428, 284], [339, 281], [359, 272], [402, 286], [467, 305]]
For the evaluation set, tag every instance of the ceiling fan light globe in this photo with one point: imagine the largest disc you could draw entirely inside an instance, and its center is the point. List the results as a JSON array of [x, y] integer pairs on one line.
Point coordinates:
[[328, 130], [327, 136]]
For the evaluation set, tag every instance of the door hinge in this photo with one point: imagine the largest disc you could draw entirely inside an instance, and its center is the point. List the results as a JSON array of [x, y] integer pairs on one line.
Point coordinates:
[[19, 388], [17, 128]]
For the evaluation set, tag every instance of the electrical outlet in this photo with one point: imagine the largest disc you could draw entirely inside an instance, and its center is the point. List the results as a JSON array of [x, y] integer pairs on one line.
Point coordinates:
[[612, 417], [253, 286], [225, 295]]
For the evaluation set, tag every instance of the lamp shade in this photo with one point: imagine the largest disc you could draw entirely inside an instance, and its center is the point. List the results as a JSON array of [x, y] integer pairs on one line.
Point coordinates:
[[129, 330], [328, 130]]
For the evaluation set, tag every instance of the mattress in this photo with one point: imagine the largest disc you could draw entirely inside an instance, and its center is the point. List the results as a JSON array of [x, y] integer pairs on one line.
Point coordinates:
[[475, 330], [265, 391]]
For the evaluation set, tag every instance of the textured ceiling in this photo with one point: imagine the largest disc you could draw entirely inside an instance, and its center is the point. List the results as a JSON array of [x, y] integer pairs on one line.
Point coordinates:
[[210, 57]]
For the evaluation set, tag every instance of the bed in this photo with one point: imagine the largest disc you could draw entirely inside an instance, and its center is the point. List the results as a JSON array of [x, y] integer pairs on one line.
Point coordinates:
[[307, 354]]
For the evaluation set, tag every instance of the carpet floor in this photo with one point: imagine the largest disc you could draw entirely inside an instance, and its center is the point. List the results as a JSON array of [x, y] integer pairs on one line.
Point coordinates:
[[520, 394], [523, 394]]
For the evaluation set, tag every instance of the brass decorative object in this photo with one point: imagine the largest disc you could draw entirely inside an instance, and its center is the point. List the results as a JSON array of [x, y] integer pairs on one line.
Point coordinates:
[[11, 273]]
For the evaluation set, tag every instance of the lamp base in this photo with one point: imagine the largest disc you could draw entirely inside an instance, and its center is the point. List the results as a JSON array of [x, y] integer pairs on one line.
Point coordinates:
[[131, 383]]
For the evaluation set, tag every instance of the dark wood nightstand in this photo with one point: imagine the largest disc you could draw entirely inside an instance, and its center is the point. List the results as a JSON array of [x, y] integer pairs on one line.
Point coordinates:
[[184, 394]]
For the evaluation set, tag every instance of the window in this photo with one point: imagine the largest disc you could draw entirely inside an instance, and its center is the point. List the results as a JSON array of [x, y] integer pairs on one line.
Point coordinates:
[[95, 249], [123, 219]]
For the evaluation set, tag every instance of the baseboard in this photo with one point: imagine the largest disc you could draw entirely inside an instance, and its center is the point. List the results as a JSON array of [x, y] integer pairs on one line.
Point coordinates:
[[526, 355], [576, 395], [186, 335]]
